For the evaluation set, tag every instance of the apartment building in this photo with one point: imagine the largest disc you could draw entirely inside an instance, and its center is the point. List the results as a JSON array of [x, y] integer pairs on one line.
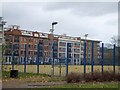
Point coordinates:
[[89, 51], [19, 38], [75, 50]]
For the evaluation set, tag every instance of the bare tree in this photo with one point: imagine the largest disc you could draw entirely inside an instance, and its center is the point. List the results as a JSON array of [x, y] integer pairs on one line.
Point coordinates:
[[115, 40]]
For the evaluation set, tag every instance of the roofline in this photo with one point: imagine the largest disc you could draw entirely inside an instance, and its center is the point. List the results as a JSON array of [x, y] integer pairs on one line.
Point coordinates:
[[91, 40]]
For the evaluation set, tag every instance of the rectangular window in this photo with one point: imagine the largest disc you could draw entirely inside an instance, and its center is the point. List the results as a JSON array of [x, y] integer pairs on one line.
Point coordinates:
[[62, 43], [76, 44], [61, 55], [24, 39], [22, 52], [35, 53], [76, 55], [35, 46], [29, 46], [8, 38], [16, 52], [16, 46], [62, 49], [45, 42], [77, 50], [30, 39], [16, 38]]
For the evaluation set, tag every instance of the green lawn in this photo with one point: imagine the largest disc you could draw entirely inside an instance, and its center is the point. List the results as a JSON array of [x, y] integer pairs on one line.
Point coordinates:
[[38, 77], [90, 85], [46, 69]]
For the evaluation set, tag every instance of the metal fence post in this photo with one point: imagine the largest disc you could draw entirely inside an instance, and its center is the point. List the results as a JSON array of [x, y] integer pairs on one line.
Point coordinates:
[[53, 59], [38, 57], [84, 60], [25, 59], [114, 54], [92, 61], [102, 63], [60, 66], [67, 59], [12, 57]]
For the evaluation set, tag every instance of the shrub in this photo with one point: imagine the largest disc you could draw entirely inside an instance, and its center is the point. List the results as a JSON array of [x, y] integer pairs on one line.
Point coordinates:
[[74, 78], [96, 76]]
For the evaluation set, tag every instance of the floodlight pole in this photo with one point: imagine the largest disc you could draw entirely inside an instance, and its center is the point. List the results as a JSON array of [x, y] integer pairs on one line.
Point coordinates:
[[52, 49]]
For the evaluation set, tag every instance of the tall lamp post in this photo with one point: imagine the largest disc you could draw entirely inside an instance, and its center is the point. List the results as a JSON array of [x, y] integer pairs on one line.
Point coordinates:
[[52, 50]]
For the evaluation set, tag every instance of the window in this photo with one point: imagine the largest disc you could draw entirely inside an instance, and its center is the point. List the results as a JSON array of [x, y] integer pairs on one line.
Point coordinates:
[[62, 49], [29, 46], [76, 55], [45, 42], [22, 52], [24, 39], [8, 38], [16, 38], [16, 52], [62, 43], [30, 39], [62, 55], [41, 42], [77, 50], [36, 40], [36, 35], [35, 53], [35, 46], [77, 44], [30, 52], [6, 59], [9, 59], [16, 46], [82, 48]]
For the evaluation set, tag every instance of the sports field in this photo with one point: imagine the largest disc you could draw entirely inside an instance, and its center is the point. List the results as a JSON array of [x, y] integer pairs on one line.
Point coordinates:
[[46, 69]]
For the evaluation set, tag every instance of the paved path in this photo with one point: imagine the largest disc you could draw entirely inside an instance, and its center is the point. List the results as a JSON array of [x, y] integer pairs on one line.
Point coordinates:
[[22, 84]]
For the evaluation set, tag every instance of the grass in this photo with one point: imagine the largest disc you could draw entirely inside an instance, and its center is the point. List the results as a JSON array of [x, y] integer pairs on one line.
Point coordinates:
[[6, 74], [31, 77], [90, 85], [46, 69]]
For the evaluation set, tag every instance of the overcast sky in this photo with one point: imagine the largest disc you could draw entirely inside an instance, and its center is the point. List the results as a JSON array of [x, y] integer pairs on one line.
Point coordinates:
[[99, 20]]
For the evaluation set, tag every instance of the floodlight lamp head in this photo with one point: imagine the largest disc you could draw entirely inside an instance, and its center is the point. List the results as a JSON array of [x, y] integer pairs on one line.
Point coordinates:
[[54, 23]]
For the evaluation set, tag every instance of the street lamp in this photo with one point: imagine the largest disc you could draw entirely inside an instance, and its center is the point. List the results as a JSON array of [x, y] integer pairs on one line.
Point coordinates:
[[52, 50], [2, 23], [86, 37]]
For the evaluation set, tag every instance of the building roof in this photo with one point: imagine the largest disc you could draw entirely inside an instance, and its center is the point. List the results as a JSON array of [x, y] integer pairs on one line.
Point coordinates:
[[45, 35]]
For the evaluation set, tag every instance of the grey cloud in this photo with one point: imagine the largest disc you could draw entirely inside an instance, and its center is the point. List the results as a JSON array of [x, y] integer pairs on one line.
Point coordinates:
[[73, 18], [84, 8]]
